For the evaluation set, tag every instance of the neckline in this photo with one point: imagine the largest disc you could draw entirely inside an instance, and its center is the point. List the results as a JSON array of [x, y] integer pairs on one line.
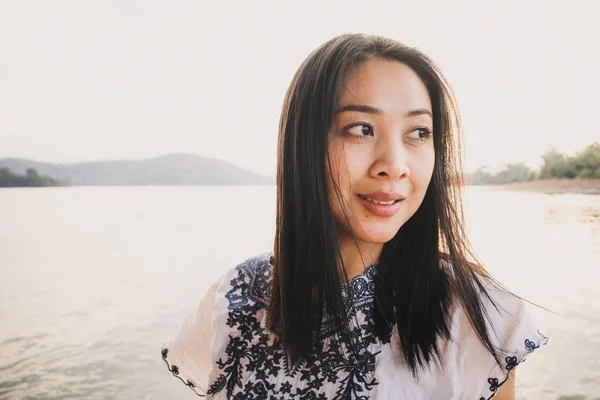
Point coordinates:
[[367, 275]]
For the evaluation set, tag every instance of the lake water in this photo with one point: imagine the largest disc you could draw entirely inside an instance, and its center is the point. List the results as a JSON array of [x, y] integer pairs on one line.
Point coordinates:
[[94, 279]]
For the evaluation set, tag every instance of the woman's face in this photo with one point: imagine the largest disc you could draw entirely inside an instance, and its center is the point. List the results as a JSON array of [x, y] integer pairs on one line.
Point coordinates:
[[381, 150]]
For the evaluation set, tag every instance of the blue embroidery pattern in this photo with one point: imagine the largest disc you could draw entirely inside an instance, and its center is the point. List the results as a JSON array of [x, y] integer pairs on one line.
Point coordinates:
[[511, 364], [175, 369], [260, 353]]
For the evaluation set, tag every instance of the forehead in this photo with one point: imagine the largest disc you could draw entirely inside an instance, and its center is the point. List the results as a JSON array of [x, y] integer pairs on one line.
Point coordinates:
[[388, 85]]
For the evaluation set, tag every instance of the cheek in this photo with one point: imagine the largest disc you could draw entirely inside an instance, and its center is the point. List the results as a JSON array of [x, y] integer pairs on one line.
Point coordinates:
[[337, 162], [338, 175], [344, 167], [422, 170], [355, 165]]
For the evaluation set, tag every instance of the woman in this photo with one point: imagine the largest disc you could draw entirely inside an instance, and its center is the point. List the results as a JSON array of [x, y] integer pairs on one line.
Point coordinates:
[[372, 291]]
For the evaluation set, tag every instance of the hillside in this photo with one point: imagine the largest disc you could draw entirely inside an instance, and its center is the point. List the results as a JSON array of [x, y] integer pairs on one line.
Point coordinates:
[[172, 169]]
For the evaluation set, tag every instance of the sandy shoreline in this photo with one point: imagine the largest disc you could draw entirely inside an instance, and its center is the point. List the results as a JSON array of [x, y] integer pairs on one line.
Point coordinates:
[[557, 186]]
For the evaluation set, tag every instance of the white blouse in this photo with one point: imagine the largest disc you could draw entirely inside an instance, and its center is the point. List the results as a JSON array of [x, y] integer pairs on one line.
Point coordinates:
[[224, 351]]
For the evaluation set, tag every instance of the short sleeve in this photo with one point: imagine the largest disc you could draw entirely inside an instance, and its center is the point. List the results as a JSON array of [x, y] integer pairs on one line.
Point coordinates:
[[514, 333], [189, 353]]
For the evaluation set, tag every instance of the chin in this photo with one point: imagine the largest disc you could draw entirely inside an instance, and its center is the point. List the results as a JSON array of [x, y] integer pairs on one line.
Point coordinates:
[[378, 236]]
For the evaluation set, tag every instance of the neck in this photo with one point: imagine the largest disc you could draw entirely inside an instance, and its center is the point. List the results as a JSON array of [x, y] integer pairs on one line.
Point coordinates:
[[357, 259]]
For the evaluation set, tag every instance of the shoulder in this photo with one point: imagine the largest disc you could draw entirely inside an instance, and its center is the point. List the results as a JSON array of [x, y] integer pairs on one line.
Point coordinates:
[[511, 329], [506, 313], [248, 284], [508, 317], [232, 305]]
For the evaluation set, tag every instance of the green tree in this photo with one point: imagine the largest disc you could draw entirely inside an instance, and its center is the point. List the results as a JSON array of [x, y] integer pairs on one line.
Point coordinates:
[[7, 178], [509, 173], [31, 178], [587, 162], [556, 165], [481, 176]]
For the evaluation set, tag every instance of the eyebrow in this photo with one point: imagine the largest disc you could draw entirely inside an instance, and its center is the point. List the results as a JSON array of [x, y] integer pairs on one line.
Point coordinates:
[[373, 110]]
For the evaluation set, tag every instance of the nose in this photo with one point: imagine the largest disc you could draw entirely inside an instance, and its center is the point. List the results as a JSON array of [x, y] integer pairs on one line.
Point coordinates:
[[391, 160]]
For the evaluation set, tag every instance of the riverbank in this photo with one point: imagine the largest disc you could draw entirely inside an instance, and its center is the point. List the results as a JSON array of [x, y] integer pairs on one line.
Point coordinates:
[[557, 186]]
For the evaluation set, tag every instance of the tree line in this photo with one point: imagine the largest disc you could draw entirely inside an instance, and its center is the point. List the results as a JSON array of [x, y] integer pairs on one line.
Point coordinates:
[[31, 179], [585, 164]]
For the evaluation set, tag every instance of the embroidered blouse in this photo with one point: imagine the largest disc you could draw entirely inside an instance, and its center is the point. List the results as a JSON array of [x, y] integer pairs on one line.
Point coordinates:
[[223, 350]]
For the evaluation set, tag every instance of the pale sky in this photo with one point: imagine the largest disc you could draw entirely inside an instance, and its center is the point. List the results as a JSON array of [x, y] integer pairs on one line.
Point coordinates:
[[95, 80]]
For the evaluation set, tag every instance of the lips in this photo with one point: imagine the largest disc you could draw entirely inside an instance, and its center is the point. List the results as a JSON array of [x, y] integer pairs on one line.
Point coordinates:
[[377, 201], [382, 204], [383, 196]]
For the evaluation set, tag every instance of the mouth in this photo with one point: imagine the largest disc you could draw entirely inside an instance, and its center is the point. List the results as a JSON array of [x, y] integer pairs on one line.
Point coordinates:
[[381, 208], [380, 202]]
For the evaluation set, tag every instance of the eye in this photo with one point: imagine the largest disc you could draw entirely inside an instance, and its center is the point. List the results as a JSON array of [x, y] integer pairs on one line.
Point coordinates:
[[360, 130], [421, 133]]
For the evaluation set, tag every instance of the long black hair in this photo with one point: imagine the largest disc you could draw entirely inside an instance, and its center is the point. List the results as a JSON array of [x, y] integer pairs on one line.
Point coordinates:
[[423, 271]]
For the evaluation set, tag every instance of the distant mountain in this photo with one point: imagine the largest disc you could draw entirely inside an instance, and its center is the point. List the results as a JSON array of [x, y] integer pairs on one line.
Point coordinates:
[[171, 169]]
